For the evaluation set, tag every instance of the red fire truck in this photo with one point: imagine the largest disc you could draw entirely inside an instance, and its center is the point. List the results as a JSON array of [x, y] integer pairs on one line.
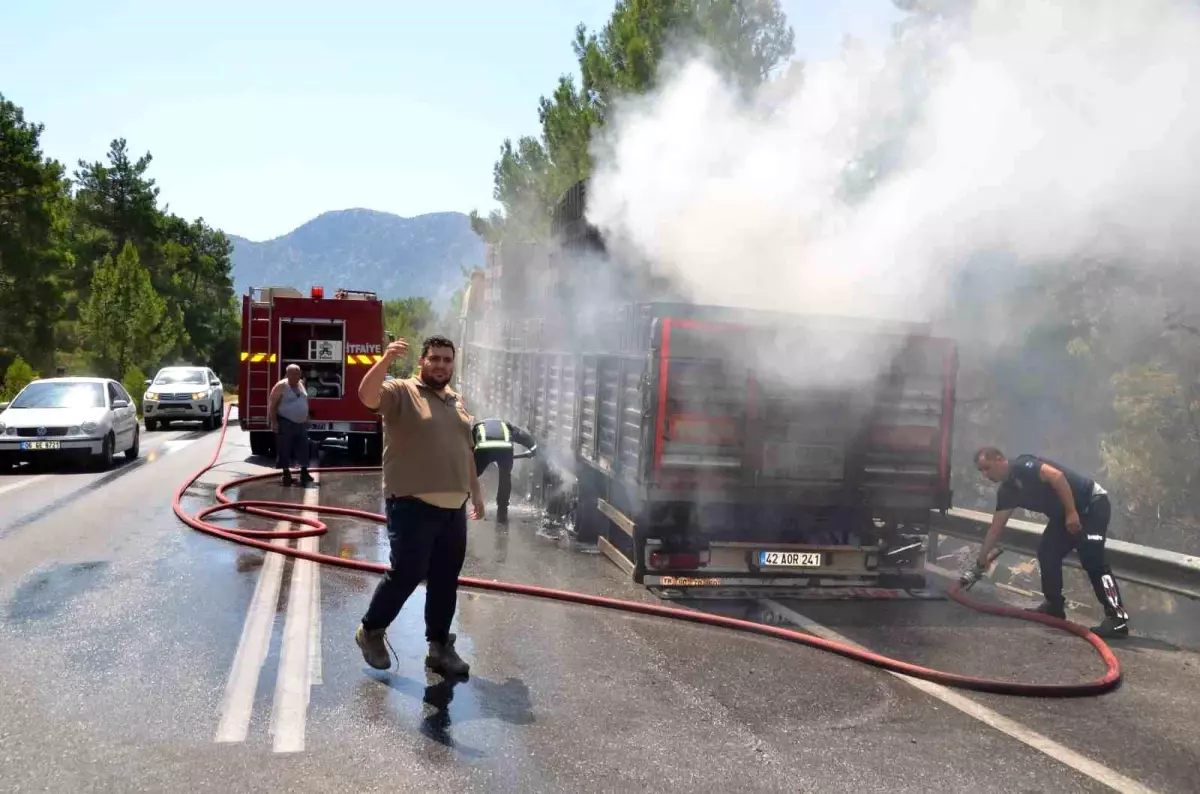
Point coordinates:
[[334, 341]]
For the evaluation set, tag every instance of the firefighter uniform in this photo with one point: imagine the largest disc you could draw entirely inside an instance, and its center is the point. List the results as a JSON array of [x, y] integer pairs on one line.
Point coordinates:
[[493, 440]]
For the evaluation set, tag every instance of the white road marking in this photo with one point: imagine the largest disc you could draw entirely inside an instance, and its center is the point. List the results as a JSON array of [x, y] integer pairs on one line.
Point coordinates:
[[301, 647], [1012, 728], [238, 702], [22, 483]]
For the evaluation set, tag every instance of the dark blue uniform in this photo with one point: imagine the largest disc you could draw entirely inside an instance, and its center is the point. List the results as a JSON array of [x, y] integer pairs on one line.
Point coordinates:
[[1024, 488], [494, 439]]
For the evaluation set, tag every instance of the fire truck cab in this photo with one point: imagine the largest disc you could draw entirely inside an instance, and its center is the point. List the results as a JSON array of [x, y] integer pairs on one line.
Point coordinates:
[[333, 340]]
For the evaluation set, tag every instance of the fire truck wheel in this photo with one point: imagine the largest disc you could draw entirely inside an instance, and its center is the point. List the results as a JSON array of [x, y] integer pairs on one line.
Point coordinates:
[[262, 444]]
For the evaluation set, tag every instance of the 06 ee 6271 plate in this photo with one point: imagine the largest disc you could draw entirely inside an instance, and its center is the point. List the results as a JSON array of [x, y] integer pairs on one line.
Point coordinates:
[[790, 559], [39, 445]]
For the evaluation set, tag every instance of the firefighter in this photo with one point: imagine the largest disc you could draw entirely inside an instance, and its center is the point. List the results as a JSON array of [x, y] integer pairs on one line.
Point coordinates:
[[1077, 511], [493, 439]]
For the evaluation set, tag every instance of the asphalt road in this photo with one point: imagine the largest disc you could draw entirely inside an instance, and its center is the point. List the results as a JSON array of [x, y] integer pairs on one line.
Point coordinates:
[[138, 655]]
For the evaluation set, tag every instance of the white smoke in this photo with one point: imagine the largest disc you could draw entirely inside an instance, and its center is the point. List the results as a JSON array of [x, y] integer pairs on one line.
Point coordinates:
[[1044, 130]]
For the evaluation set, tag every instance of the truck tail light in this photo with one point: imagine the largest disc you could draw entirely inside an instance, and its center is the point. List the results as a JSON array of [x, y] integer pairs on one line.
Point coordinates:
[[678, 560]]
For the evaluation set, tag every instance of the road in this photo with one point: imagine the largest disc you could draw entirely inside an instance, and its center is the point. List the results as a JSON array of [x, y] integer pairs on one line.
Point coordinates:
[[139, 655]]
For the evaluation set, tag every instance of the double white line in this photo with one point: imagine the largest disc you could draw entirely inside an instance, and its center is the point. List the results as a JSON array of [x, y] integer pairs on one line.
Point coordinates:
[[300, 658]]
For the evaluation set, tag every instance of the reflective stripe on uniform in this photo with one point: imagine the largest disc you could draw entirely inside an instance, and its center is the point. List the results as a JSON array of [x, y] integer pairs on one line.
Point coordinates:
[[492, 434]]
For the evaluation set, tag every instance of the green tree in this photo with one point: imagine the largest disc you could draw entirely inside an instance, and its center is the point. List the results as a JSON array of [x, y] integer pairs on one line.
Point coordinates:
[[121, 313], [747, 39], [410, 319], [33, 207], [18, 375]]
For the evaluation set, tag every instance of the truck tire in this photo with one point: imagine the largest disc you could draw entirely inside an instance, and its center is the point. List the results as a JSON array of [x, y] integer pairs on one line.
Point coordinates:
[[262, 443], [374, 449]]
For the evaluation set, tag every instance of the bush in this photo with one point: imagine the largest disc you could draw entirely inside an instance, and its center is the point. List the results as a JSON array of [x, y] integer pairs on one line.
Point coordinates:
[[135, 383], [16, 377]]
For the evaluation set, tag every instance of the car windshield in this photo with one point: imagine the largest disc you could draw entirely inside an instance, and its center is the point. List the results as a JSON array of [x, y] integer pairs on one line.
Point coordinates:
[[61, 395], [188, 376]]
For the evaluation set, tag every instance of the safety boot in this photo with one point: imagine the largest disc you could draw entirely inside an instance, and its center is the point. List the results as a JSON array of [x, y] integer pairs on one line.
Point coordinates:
[[1051, 609], [1112, 626], [306, 478], [443, 658], [374, 651], [502, 514]]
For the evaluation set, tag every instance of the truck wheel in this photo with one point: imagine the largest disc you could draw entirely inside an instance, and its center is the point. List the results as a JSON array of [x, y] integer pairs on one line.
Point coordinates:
[[374, 449], [262, 443]]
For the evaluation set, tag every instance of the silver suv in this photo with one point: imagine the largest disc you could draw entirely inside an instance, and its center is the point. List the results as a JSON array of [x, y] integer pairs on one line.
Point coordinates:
[[184, 394]]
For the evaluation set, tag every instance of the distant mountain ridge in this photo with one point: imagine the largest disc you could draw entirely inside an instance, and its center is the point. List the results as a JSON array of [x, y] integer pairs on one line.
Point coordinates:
[[396, 257]]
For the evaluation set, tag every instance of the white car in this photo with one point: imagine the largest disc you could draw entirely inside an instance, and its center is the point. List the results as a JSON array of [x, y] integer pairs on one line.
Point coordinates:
[[185, 394], [58, 417]]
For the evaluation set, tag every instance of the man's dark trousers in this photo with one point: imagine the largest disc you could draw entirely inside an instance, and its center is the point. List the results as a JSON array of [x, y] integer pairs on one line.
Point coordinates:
[[503, 458], [1089, 543], [428, 543], [292, 443]]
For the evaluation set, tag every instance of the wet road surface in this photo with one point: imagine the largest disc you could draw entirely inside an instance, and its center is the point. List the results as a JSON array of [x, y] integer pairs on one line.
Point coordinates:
[[137, 654]]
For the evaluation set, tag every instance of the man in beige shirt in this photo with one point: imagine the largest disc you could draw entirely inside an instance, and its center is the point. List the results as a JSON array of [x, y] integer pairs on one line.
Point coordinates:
[[428, 476]]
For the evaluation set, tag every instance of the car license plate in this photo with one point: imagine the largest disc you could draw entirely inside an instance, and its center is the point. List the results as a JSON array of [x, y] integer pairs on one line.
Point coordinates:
[[39, 445], [790, 559], [318, 426]]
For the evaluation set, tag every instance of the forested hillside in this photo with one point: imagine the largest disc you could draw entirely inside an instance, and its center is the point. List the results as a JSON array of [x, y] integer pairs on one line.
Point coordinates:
[[365, 249]]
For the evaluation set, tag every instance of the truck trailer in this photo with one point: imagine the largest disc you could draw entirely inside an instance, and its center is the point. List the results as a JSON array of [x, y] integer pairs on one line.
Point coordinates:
[[711, 448], [334, 340]]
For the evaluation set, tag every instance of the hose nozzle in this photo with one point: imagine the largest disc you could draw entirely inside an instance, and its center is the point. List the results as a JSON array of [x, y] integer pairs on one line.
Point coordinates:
[[977, 570]]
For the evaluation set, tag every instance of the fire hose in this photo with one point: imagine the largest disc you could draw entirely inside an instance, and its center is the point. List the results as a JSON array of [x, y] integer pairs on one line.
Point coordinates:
[[256, 538]]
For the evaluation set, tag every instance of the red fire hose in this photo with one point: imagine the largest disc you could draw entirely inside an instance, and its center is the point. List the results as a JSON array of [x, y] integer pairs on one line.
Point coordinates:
[[273, 510]]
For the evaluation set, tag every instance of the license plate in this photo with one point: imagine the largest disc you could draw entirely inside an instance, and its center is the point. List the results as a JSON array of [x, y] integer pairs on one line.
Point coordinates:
[[39, 445], [318, 426], [790, 559]]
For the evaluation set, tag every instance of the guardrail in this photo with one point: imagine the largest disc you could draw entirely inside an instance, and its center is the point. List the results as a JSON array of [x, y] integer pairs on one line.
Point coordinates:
[[1162, 570]]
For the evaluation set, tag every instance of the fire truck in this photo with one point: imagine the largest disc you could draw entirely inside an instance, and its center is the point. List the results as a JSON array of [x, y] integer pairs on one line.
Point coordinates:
[[703, 448], [333, 340]]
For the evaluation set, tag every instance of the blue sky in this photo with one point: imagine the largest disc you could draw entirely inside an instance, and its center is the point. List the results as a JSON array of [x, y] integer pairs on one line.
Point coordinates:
[[261, 114]]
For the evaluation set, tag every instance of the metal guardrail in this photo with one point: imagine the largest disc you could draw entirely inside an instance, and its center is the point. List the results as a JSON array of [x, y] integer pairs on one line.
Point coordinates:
[[1162, 570]]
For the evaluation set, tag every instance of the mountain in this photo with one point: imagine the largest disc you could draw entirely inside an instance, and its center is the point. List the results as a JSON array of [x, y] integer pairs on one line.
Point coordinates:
[[363, 249]]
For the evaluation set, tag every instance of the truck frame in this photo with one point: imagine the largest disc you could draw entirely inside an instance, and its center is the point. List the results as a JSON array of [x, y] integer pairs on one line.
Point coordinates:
[[333, 340], [692, 464]]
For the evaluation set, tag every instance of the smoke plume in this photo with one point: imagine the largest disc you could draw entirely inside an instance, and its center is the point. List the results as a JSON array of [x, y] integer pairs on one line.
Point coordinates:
[[1042, 132]]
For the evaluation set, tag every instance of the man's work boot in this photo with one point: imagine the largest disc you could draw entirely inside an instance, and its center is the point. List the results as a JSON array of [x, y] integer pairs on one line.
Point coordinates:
[[374, 651], [1051, 609], [443, 658], [502, 514], [306, 478], [287, 480], [1112, 626]]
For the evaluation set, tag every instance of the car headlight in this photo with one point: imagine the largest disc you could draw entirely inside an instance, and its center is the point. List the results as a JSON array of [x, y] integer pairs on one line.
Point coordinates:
[[152, 396], [89, 428], [200, 395]]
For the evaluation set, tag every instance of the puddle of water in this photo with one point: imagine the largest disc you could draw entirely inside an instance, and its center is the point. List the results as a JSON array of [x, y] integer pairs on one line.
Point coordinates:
[[48, 594]]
